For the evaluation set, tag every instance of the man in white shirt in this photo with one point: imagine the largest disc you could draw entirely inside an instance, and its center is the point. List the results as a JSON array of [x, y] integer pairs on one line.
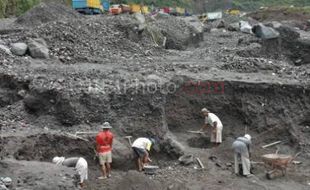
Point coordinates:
[[211, 120], [79, 163], [141, 148]]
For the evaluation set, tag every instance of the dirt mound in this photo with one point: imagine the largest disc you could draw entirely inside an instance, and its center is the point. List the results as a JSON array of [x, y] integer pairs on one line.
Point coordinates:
[[96, 39], [281, 13], [46, 12], [38, 175], [179, 34], [135, 180]]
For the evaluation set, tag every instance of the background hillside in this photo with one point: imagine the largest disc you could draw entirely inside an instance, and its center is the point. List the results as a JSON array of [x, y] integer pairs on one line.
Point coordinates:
[[17, 7]]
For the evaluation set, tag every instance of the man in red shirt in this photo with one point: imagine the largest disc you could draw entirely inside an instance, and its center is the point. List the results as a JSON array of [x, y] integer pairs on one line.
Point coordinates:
[[104, 141]]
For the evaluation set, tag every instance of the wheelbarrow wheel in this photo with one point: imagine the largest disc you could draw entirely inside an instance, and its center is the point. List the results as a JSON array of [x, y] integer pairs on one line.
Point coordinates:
[[270, 174]]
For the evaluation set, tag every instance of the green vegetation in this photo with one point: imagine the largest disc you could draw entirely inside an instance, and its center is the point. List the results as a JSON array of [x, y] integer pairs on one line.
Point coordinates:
[[255, 4]]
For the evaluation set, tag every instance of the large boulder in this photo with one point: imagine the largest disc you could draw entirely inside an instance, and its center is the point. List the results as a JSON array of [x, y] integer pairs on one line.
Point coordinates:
[[265, 32], [122, 155], [141, 20], [19, 48], [38, 48]]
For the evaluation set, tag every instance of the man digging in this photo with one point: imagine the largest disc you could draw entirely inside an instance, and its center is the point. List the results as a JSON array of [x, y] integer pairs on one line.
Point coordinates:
[[141, 148], [241, 147], [104, 141], [211, 120]]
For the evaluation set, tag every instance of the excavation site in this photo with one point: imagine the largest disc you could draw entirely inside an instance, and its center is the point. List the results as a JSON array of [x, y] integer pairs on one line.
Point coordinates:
[[64, 75]]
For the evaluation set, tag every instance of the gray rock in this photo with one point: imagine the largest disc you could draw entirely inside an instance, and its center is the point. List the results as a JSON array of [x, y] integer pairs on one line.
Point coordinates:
[[141, 20], [195, 23], [214, 30], [218, 24], [186, 159], [245, 27], [3, 187], [234, 27], [5, 49], [19, 48], [38, 48], [274, 24], [265, 32], [7, 181]]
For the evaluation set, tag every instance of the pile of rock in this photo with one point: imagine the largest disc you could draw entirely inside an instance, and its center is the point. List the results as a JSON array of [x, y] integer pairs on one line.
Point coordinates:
[[44, 13], [179, 32], [36, 48]]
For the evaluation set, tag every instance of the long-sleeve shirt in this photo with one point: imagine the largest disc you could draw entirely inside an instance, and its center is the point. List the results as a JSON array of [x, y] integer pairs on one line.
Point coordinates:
[[242, 146]]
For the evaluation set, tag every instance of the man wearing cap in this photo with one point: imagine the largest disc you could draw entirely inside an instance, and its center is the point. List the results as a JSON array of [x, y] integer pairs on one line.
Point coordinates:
[[104, 141], [141, 147], [241, 147], [79, 163], [216, 126]]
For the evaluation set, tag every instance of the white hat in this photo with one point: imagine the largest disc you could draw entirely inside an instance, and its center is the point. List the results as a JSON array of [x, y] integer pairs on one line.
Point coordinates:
[[58, 160], [205, 110], [248, 136], [106, 125]]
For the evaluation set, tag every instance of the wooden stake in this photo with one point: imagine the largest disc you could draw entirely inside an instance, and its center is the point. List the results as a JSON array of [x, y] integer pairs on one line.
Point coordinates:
[[200, 163]]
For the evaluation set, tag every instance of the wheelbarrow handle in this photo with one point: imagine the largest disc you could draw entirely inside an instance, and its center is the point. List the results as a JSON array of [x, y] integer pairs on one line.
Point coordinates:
[[296, 156]]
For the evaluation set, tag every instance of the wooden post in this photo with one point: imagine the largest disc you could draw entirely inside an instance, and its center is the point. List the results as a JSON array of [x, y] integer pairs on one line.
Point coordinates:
[[200, 163]]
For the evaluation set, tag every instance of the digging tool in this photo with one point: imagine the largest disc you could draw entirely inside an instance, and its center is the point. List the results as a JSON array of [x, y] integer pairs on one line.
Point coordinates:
[[271, 144], [129, 139], [257, 163], [85, 133], [76, 137], [196, 132]]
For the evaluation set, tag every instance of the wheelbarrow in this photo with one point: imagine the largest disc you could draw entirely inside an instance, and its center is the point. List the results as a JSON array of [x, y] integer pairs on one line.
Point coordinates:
[[277, 163]]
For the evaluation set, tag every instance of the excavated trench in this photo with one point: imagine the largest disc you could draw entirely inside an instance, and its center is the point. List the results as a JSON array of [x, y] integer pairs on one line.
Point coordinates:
[[269, 112]]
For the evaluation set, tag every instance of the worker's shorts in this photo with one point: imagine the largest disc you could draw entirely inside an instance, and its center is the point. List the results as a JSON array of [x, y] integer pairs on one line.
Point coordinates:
[[105, 157], [139, 152]]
